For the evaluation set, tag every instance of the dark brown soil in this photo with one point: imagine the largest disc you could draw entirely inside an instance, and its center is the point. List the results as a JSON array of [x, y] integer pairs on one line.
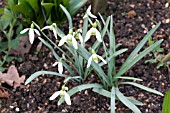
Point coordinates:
[[129, 30]]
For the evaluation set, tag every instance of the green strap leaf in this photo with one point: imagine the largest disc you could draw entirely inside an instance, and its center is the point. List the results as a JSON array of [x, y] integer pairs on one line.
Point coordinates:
[[106, 93], [129, 78], [127, 65], [141, 44], [126, 102], [68, 16], [113, 98], [166, 102], [143, 87], [38, 73]]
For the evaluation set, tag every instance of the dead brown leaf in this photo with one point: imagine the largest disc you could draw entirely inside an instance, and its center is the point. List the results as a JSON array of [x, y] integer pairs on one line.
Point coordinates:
[[23, 47], [12, 77], [4, 93]]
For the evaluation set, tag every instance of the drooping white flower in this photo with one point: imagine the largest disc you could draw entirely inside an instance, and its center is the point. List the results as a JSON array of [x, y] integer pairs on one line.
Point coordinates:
[[31, 32], [88, 13], [60, 66], [62, 93], [69, 38], [53, 28], [93, 31], [78, 35], [94, 57]]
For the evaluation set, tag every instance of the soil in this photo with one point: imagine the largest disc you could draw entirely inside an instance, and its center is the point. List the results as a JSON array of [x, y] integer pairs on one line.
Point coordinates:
[[132, 18]]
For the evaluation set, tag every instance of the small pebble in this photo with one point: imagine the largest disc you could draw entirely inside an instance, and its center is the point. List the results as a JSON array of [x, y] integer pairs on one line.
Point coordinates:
[[17, 109], [11, 107], [167, 5]]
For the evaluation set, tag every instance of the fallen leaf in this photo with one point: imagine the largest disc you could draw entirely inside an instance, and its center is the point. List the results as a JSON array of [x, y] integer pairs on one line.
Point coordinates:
[[4, 93], [12, 77], [23, 47], [131, 13]]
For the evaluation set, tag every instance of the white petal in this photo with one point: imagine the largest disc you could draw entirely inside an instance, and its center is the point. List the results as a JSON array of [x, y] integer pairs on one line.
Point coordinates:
[[25, 30], [60, 67], [55, 33], [89, 61], [98, 36], [89, 12], [91, 15], [38, 33], [89, 8], [88, 34], [62, 41], [74, 43], [56, 94], [31, 35], [46, 27], [55, 64], [80, 38], [67, 98], [104, 61]]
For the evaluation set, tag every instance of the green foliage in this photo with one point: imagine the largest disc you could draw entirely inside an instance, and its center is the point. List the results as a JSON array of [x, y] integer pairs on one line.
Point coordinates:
[[157, 56], [40, 11], [109, 80], [166, 103]]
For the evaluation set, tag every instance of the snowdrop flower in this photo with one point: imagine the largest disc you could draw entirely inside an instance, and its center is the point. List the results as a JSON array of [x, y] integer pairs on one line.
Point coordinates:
[[52, 28], [62, 93], [31, 32], [93, 31], [94, 57], [69, 38], [60, 66], [88, 13], [78, 35]]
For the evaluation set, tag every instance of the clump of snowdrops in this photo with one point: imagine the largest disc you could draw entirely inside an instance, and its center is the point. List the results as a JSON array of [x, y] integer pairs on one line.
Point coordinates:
[[85, 60]]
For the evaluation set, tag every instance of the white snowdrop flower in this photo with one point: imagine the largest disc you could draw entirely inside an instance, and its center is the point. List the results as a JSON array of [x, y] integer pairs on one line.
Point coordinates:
[[70, 39], [93, 31], [60, 66], [94, 57], [31, 32], [88, 13], [52, 28], [62, 93]]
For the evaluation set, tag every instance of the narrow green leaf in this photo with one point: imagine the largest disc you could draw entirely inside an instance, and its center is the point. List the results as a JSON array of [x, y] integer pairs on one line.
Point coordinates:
[[106, 93], [126, 102], [68, 16], [129, 78], [166, 103], [38, 73], [134, 60], [141, 44], [113, 98], [80, 88], [143, 87]]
